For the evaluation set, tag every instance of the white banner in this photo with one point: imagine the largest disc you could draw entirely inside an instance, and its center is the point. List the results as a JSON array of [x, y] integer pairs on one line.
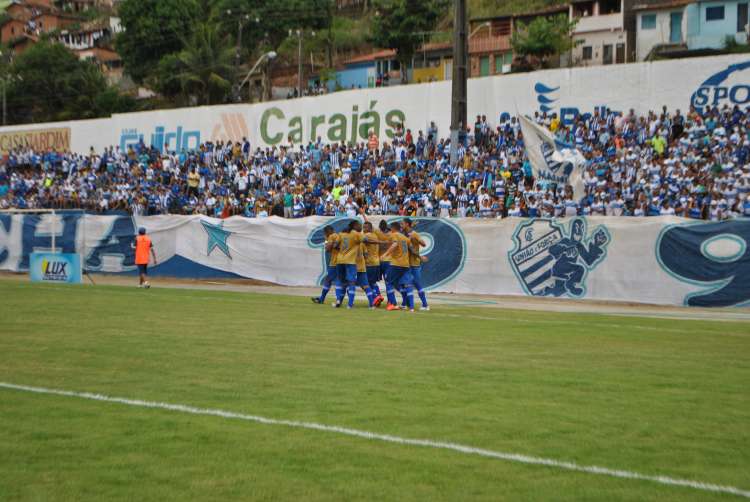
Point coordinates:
[[662, 260], [550, 161], [350, 115]]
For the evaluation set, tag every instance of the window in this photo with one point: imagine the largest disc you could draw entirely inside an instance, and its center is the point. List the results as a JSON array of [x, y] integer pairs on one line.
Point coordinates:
[[588, 53], [715, 13], [484, 66], [503, 60], [741, 17], [620, 53], [648, 21], [607, 54]]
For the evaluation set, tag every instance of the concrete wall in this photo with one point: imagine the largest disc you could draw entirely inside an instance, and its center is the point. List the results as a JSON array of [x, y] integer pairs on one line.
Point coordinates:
[[660, 34], [596, 41], [704, 34]]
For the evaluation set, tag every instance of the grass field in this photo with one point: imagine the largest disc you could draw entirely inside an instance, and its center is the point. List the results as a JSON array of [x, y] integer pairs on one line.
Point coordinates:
[[657, 397]]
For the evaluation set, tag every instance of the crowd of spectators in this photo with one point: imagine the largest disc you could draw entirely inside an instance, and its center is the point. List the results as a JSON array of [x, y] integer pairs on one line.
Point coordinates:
[[665, 163]]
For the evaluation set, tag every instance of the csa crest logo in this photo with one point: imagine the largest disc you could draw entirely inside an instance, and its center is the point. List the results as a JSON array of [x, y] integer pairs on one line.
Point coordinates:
[[549, 261]]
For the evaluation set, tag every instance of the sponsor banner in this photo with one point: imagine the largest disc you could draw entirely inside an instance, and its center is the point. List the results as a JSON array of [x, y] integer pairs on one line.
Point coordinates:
[[349, 116], [41, 140], [661, 260], [55, 267]]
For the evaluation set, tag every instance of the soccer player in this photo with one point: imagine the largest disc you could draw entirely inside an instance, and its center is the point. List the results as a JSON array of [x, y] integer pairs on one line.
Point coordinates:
[[415, 260], [331, 247], [143, 247], [399, 273], [346, 263], [362, 275], [372, 261], [384, 237]]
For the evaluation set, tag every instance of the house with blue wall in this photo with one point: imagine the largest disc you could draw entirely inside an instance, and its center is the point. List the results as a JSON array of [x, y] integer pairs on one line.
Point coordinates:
[[679, 26], [710, 23]]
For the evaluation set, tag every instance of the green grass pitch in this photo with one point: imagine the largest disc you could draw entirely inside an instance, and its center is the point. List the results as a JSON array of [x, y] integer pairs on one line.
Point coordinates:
[[653, 396]]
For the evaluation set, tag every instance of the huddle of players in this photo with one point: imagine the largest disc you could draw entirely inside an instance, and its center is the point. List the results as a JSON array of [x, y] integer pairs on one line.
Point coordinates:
[[360, 257]]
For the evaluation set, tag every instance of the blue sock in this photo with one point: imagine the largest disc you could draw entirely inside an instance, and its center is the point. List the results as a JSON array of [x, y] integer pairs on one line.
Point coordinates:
[[370, 296], [403, 297], [376, 288], [423, 297], [323, 293], [391, 296], [339, 294], [410, 298], [352, 290]]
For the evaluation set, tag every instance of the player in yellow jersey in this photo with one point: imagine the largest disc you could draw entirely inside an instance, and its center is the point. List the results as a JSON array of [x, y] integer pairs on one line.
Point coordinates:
[[331, 278], [372, 261], [346, 261], [399, 274], [362, 273], [384, 236], [416, 259]]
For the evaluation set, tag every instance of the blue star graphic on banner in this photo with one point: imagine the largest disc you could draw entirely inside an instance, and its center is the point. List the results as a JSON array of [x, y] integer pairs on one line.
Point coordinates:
[[217, 238]]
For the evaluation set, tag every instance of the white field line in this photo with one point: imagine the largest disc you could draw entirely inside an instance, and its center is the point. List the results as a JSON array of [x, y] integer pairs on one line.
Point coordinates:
[[469, 450]]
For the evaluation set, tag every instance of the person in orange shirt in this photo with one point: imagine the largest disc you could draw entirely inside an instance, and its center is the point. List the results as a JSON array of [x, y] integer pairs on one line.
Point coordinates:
[[143, 248]]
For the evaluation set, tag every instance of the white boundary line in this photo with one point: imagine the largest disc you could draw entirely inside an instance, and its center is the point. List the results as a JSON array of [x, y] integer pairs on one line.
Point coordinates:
[[511, 457]]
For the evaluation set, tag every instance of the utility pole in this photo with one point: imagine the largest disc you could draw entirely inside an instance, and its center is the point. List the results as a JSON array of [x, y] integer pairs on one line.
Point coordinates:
[[299, 62], [241, 19], [458, 95], [239, 44], [5, 104], [5, 81]]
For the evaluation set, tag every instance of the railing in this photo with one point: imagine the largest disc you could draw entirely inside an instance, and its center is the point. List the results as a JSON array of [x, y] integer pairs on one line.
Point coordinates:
[[489, 44]]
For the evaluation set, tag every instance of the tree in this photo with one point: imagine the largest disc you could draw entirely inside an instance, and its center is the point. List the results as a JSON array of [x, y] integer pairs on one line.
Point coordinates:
[[152, 30], [400, 25], [267, 22], [543, 37], [202, 70], [53, 84]]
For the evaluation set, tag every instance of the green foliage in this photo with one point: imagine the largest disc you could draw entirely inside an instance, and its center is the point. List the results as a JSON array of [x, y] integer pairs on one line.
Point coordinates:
[[659, 396], [488, 8], [53, 84], [153, 29], [733, 47], [543, 37], [203, 69], [398, 24], [269, 21]]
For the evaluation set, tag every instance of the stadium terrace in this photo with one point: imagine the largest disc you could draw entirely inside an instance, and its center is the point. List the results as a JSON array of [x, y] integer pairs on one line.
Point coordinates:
[[666, 163]]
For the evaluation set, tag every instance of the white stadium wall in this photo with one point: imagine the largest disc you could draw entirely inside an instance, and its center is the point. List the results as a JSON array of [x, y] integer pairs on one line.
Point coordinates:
[[660, 260], [654, 260], [349, 115]]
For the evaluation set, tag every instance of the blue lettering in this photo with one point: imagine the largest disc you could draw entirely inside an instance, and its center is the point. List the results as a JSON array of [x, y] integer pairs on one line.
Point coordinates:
[[680, 249], [116, 243], [700, 98], [5, 222], [733, 94], [448, 254], [568, 115], [65, 242], [719, 94]]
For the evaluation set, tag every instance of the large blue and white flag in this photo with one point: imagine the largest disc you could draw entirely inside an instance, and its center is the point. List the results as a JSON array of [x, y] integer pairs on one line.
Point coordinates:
[[552, 160]]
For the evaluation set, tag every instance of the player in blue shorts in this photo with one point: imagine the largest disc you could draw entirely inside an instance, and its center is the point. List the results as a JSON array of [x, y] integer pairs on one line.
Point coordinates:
[[331, 247], [416, 260]]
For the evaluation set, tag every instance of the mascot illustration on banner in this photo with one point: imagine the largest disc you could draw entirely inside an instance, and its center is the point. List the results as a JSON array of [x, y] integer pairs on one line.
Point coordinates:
[[551, 262]]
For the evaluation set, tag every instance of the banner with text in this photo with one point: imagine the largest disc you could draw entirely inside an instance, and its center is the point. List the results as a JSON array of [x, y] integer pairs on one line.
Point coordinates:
[[349, 116], [663, 260]]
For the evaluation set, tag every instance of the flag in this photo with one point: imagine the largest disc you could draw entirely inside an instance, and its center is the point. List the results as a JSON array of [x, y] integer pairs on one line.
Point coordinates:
[[552, 160]]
